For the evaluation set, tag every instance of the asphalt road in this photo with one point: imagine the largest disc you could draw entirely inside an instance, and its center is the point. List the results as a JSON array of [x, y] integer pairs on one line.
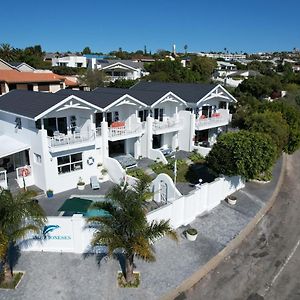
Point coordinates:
[[267, 264]]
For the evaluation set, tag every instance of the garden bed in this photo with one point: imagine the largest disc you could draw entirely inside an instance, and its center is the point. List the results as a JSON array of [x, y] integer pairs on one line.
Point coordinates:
[[123, 284], [14, 283]]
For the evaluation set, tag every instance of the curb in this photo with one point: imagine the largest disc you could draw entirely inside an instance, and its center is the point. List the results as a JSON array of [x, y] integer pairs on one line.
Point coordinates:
[[216, 260]]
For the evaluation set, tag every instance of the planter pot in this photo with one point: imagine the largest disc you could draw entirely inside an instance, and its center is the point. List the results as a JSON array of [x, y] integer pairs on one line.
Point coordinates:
[[231, 200], [191, 237], [49, 194], [80, 187]]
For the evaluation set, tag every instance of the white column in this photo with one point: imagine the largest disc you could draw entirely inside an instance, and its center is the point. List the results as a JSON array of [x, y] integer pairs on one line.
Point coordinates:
[[149, 133], [104, 133]]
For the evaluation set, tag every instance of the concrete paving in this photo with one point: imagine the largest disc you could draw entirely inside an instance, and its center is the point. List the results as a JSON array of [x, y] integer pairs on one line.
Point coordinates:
[[71, 276], [266, 264]]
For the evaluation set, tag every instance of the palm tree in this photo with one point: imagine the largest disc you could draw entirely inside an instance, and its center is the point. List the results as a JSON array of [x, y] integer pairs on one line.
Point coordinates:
[[127, 227], [19, 215], [7, 52]]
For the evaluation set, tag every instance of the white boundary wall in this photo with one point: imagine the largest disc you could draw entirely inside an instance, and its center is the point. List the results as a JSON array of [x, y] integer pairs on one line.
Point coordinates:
[[71, 234]]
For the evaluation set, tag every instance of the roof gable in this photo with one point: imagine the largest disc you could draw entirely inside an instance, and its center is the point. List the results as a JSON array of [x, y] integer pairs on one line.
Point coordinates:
[[217, 92]]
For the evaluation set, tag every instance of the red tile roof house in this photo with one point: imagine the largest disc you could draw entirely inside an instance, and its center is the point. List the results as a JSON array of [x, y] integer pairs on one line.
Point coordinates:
[[42, 82]]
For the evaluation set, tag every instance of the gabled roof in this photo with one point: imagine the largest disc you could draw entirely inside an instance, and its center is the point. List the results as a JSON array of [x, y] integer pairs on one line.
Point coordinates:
[[189, 92], [27, 103], [106, 64], [147, 97], [34, 105], [13, 76]]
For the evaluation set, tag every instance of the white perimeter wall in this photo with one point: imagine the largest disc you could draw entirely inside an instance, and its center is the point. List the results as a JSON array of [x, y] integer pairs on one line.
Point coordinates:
[[72, 235]]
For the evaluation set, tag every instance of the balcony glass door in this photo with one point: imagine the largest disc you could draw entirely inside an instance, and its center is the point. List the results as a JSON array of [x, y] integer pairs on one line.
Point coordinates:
[[62, 125]]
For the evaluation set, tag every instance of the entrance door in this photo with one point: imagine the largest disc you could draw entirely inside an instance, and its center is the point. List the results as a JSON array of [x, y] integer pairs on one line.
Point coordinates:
[[109, 118], [206, 111], [62, 125], [157, 140]]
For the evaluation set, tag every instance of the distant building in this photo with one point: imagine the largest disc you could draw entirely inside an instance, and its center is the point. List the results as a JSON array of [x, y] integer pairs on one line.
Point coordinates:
[[70, 61], [119, 69], [225, 56]]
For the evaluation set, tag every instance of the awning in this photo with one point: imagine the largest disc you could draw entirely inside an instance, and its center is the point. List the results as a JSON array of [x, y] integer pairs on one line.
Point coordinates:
[[10, 146], [76, 205]]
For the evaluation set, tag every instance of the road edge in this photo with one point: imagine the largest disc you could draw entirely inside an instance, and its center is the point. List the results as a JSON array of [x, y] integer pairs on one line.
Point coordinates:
[[234, 243]]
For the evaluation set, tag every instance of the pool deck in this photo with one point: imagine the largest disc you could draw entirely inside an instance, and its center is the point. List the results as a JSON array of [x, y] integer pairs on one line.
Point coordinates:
[[51, 205]]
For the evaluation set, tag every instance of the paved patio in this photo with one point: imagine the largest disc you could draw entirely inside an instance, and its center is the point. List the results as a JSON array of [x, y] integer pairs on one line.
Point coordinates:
[[71, 276], [51, 205]]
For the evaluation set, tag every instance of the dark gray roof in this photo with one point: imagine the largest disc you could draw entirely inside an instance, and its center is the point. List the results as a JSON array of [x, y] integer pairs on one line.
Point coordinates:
[[100, 99], [147, 97], [27, 103], [189, 92]]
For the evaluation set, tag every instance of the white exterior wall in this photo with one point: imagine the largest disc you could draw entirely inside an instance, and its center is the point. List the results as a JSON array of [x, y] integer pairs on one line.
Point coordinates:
[[72, 235], [70, 61], [185, 136]]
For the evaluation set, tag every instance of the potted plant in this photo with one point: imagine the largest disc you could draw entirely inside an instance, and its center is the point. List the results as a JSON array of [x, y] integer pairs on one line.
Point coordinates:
[[80, 184], [231, 200], [49, 193], [191, 234]]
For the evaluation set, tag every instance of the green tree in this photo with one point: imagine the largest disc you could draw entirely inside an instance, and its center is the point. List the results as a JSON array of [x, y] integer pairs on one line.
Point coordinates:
[[292, 116], [86, 50], [244, 153], [19, 215], [93, 78], [272, 124], [7, 52], [122, 83], [127, 227], [203, 66]]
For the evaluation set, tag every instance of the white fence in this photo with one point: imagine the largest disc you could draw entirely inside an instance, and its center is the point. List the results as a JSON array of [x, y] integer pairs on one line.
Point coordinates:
[[156, 154], [183, 210], [114, 169], [71, 234]]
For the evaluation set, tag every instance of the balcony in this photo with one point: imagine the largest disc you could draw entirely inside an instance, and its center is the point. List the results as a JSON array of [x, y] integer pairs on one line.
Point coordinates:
[[165, 126], [62, 142], [221, 118], [121, 130]]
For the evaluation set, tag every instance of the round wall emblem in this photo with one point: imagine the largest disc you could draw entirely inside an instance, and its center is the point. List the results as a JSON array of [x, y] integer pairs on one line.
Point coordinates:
[[90, 161]]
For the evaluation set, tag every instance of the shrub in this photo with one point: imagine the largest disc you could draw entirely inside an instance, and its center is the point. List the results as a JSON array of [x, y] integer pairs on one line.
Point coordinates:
[[242, 153]]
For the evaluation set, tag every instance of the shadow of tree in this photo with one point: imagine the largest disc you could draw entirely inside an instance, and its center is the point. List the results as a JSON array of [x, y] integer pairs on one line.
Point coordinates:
[[197, 171], [14, 254]]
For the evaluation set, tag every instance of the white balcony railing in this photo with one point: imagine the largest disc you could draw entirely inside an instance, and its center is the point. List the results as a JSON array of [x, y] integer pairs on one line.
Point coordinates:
[[3, 179], [217, 119], [66, 140], [167, 123], [122, 131]]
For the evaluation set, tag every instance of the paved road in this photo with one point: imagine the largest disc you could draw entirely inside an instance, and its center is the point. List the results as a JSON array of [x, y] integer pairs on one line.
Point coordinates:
[[267, 264]]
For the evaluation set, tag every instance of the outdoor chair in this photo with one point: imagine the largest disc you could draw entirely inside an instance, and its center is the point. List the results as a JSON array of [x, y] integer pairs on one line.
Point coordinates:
[[95, 185]]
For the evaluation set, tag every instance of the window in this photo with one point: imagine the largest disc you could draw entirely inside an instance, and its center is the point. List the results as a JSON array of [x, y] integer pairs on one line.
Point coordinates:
[[69, 163], [143, 114], [18, 122], [43, 87], [116, 116], [222, 104], [37, 158], [38, 124], [159, 114]]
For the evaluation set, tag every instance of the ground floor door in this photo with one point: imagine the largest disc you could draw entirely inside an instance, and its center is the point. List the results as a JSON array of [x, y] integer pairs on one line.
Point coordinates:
[[116, 148], [201, 136], [157, 141]]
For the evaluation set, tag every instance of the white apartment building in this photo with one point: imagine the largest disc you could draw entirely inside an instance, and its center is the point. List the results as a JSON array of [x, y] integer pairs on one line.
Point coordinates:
[[119, 69], [225, 56], [70, 61], [52, 140]]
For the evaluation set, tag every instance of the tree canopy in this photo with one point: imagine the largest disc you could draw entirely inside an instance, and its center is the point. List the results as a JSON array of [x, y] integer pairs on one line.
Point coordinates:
[[93, 78], [244, 153]]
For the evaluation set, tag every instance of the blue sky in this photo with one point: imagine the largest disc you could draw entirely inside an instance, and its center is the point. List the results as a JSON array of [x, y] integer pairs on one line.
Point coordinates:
[[248, 26]]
